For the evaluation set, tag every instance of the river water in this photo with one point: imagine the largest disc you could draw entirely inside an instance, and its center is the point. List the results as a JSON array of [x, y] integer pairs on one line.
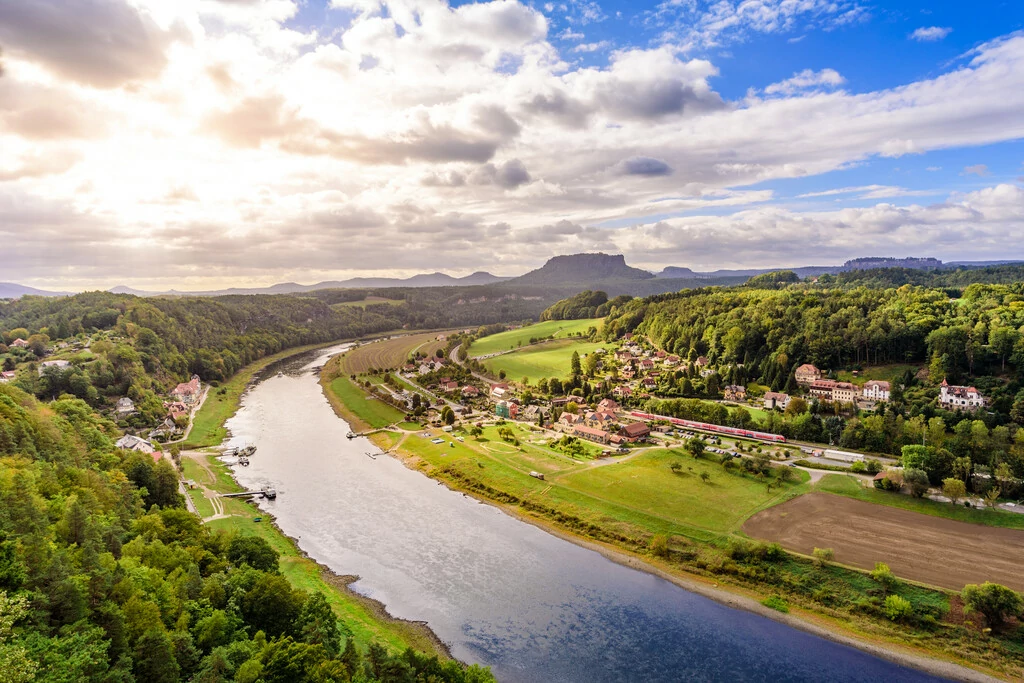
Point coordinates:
[[499, 591]]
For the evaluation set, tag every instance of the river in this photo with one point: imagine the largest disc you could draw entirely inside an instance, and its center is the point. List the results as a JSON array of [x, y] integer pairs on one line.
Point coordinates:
[[499, 591]]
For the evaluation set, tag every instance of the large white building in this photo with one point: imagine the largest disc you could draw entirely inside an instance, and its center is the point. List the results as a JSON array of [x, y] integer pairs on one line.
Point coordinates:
[[953, 397], [876, 390]]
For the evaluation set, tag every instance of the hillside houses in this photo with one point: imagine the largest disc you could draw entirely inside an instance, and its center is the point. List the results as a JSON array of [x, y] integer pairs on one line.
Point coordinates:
[[188, 392], [53, 365], [965, 398], [125, 407], [807, 374], [135, 443], [18, 344], [775, 399], [876, 390], [734, 392]]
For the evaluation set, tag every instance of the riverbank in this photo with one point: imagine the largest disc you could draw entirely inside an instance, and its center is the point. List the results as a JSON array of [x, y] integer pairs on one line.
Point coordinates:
[[367, 619], [947, 649]]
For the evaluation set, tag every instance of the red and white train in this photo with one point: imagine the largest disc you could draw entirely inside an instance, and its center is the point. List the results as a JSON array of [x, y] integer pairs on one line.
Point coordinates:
[[715, 429]]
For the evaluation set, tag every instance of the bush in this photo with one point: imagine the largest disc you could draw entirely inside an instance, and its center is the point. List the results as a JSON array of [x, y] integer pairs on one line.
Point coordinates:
[[777, 603], [898, 608], [884, 576], [659, 546], [994, 601], [824, 555], [917, 480]]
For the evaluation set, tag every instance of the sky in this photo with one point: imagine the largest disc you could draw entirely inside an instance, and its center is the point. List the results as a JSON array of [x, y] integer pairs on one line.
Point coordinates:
[[199, 144]]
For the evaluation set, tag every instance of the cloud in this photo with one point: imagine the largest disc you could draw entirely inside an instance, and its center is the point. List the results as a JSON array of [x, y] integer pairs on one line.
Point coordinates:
[[508, 175], [103, 43], [868, 192], [592, 47], [980, 170], [928, 34], [806, 80], [643, 166]]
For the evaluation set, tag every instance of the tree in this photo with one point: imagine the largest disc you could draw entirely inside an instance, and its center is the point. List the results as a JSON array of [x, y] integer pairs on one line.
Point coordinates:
[[253, 551], [884, 576], [318, 625], [501, 374], [705, 477], [154, 658], [917, 480], [823, 556], [954, 489], [992, 496], [696, 447], [574, 363], [272, 606], [448, 415], [898, 608], [996, 602], [796, 406]]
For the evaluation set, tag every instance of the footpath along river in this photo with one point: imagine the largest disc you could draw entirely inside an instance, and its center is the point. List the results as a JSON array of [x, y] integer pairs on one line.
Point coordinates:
[[501, 592]]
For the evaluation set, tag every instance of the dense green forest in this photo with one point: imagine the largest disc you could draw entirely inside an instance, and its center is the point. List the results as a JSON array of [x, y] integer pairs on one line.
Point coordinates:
[[104, 576], [584, 305], [947, 278]]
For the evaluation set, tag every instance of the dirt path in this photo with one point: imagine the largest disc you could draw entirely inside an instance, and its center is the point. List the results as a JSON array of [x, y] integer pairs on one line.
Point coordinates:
[[209, 493], [933, 550]]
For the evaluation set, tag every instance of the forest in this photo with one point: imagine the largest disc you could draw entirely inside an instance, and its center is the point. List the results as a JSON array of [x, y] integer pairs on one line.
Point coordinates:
[[104, 576]]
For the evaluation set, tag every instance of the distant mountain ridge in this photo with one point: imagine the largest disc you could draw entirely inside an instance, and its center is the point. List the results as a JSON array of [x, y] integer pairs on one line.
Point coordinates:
[[11, 290], [582, 268]]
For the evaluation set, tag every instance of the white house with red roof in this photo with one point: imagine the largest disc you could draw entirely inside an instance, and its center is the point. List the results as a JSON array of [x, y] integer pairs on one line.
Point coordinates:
[[953, 397]]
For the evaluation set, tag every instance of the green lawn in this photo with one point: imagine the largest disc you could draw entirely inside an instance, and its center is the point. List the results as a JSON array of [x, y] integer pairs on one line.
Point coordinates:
[[503, 341], [370, 412], [203, 505], [646, 484], [551, 359], [850, 486], [888, 373]]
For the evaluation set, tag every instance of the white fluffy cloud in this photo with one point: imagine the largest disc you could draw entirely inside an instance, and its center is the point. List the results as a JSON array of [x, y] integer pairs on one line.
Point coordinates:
[[217, 145], [927, 34]]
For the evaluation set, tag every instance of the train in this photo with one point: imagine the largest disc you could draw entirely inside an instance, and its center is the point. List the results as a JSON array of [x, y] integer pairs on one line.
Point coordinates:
[[713, 428]]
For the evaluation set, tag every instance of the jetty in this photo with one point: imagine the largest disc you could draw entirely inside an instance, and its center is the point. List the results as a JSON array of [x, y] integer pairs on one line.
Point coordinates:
[[237, 452], [265, 492]]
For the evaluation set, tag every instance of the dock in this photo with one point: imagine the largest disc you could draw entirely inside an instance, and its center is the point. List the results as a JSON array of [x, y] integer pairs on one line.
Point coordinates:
[[265, 492]]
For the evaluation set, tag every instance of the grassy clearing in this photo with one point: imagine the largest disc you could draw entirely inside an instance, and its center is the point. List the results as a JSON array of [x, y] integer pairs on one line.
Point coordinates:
[[203, 505], [551, 359], [370, 300], [851, 487], [366, 412], [504, 341], [888, 373]]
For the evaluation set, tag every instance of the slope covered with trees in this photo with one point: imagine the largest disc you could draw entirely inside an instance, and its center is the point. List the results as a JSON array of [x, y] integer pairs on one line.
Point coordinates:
[[104, 576]]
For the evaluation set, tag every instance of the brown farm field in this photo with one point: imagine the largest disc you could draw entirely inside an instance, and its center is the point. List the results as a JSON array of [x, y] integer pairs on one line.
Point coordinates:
[[389, 354], [931, 550]]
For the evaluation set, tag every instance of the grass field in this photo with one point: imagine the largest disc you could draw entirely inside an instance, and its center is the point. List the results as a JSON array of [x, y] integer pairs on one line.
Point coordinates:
[[504, 341], [391, 353], [551, 359], [888, 373], [369, 413], [363, 303], [850, 486]]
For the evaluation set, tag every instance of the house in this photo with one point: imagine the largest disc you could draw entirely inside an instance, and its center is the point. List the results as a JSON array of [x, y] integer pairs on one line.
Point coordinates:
[[953, 397], [647, 364], [598, 418], [569, 420], [672, 361], [702, 361], [7, 375], [499, 390], [187, 392], [535, 413], [650, 382], [622, 391], [627, 373], [660, 355], [448, 386], [125, 406], [624, 356], [507, 409], [775, 399], [635, 431], [19, 343], [134, 443], [607, 405], [822, 388], [591, 434], [807, 374], [735, 392], [875, 390], [55, 364], [844, 392], [469, 391]]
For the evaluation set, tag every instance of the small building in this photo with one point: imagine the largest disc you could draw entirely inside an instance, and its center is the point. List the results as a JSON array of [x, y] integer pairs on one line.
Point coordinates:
[[54, 365], [649, 382], [608, 405], [807, 374], [449, 387], [775, 399], [635, 431], [569, 420], [672, 361], [499, 390], [469, 391], [622, 391], [187, 392], [647, 364], [660, 355], [125, 406], [134, 443], [735, 392], [844, 392], [876, 390], [702, 361], [591, 434], [18, 343], [534, 413], [822, 388], [176, 409], [953, 397], [845, 456], [7, 375], [507, 409]]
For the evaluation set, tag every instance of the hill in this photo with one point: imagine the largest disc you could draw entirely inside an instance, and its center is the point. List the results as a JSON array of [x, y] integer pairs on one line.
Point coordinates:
[[10, 290], [582, 268]]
